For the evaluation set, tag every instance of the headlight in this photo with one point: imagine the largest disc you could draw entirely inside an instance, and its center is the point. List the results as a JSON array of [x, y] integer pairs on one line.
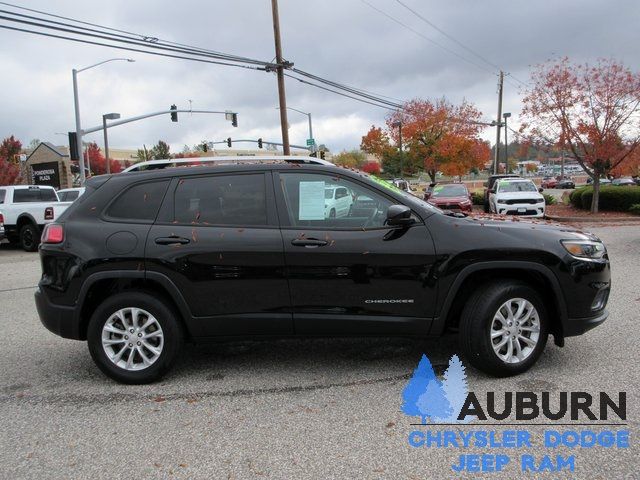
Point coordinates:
[[465, 202], [502, 201], [584, 248]]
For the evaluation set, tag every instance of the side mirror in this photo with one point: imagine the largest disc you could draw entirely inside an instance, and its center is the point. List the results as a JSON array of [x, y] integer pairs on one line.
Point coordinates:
[[399, 215], [541, 190]]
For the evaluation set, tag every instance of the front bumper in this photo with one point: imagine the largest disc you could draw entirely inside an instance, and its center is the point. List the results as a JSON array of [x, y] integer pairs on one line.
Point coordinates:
[[522, 209], [578, 326], [58, 319]]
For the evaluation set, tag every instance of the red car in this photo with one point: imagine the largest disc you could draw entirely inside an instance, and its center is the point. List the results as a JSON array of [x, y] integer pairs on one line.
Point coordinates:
[[450, 196], [549, 182]]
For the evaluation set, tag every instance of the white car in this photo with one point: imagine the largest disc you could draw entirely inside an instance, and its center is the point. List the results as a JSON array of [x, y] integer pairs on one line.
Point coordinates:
[[516, 196], [70, 194], [337, 202]]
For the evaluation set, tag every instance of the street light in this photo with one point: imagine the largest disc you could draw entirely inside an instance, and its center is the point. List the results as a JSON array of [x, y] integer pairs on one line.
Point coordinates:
[[310, 125], [398, 124], [506, 145], [75, 73], [105, 117]]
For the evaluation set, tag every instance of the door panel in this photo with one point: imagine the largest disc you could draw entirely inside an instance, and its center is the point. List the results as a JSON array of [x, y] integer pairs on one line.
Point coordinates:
[[232, 276], [352, 279]]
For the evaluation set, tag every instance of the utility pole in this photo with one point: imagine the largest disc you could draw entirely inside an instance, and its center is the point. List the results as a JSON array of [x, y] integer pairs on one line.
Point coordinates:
[[284, 124], [399, 125], [496, 159]]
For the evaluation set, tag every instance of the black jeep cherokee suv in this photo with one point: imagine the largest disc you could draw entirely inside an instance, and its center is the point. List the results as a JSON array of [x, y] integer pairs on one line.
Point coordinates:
[[146, 260]]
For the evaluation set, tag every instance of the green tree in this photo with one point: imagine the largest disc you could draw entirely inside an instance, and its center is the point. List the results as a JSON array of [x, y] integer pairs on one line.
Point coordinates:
[[161, 150], [350, 159]]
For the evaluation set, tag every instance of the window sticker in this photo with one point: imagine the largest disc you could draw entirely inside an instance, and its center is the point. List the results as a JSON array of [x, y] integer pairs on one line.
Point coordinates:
[[311, 197]]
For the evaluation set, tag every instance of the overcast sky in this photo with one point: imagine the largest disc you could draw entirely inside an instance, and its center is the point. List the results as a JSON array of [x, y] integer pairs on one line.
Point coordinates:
[[343, 40]]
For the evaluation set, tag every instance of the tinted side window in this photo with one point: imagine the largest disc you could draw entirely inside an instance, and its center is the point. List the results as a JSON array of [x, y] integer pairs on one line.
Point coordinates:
[[221, 200], [139, 202], [2, 194], [71, 196], [307, 205], [63, 196], [26, 195]]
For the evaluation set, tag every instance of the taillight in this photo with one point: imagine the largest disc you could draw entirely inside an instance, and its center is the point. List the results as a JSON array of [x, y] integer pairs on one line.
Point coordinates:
[[48, 213], [1, 219], [52, 233]]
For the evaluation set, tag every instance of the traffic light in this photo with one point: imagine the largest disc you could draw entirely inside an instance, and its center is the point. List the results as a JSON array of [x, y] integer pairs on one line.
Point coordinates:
[[73, 147], [234, 120], [322, 154], [229, 142], [205, 147], [174, 115], [259, 143]]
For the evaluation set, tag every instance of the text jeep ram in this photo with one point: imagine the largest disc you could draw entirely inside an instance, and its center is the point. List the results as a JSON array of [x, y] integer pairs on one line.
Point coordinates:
[[145, 260]]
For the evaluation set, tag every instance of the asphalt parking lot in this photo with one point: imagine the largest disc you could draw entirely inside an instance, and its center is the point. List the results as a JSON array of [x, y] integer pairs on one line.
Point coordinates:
[[277, 409]]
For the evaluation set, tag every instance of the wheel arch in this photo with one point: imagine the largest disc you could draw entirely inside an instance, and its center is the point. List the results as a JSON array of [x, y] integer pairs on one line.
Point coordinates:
[[24, 219], [101, 285], [536, 275]]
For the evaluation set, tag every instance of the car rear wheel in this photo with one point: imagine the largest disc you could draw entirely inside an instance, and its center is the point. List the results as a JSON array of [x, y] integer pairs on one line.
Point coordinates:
[[504, 328], [134, 337], [29, 237]]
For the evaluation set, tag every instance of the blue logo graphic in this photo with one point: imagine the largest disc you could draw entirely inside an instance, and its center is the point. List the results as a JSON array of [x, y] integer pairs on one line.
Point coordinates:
[[432, 400]]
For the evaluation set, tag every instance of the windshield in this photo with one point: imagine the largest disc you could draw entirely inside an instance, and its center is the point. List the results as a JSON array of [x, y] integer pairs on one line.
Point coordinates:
[[328, 194], [513, 187], [449, 191]]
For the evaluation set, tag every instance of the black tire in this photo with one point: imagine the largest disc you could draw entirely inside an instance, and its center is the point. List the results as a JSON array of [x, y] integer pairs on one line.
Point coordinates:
[[29, 237], [477, 318], [332, 213], [166, 317], [487, 207]]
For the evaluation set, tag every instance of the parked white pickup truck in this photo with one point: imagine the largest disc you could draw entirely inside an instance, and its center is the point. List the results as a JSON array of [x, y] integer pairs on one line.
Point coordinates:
[[26, 209]]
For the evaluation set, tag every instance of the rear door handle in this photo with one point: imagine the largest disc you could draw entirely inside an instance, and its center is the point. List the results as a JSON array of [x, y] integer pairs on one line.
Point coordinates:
[[172, 240], [308, 242]]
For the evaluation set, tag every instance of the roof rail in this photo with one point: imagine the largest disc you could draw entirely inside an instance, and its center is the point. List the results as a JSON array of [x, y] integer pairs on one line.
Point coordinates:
[[158, 164]]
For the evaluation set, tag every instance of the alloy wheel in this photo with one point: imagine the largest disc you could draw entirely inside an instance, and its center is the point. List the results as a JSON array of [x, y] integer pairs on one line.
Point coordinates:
[[132, 339], [515, 330]]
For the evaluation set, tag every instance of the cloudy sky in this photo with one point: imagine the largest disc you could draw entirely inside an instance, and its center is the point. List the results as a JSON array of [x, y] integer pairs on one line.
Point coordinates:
[[342, 40]]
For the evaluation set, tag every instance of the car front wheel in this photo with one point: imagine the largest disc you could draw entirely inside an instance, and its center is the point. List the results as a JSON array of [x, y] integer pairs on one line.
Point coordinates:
[[134, 337], [504, 328]]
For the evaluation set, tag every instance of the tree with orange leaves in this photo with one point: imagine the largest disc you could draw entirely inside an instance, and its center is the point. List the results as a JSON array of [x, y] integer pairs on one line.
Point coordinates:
[[591, 110], [441, 136]]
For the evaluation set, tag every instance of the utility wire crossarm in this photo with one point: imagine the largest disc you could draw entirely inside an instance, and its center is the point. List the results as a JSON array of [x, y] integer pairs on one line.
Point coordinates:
[[148, 115]]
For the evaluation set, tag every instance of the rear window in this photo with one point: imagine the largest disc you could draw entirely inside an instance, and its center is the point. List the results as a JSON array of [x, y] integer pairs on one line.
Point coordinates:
[[139, 202], [26, 195], [221, 200]]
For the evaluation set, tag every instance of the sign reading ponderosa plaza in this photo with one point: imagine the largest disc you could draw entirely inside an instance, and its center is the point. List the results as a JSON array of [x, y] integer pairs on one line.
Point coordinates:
[[46, 174]]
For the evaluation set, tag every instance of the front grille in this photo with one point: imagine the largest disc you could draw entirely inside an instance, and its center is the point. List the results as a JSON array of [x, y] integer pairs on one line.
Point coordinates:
[[449, 206], [531, 201], [516, 212]]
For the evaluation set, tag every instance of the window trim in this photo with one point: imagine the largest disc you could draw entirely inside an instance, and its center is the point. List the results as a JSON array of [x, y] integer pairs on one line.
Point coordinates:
[[166, 214], [136, 221], [283, 209]]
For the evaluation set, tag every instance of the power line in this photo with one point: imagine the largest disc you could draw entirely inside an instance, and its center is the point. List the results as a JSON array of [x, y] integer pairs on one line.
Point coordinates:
[[342, 94], [450, 37], [179, 51], [146, 38], [89, 42], [416, 32], [49, 24]]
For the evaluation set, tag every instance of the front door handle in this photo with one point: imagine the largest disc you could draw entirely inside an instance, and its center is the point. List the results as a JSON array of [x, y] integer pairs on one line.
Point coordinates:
[[308, 242], [174, 240]]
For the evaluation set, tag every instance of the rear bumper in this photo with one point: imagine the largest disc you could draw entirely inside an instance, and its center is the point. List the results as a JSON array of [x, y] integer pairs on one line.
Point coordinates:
[[578, 326], [58, 319]]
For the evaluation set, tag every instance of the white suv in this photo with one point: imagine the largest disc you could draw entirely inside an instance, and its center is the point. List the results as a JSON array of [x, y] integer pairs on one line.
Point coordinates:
[[516, 196], [337, 202]]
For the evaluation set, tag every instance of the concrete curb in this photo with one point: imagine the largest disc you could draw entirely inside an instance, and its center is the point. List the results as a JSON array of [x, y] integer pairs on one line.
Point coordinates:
[[592, 220]]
